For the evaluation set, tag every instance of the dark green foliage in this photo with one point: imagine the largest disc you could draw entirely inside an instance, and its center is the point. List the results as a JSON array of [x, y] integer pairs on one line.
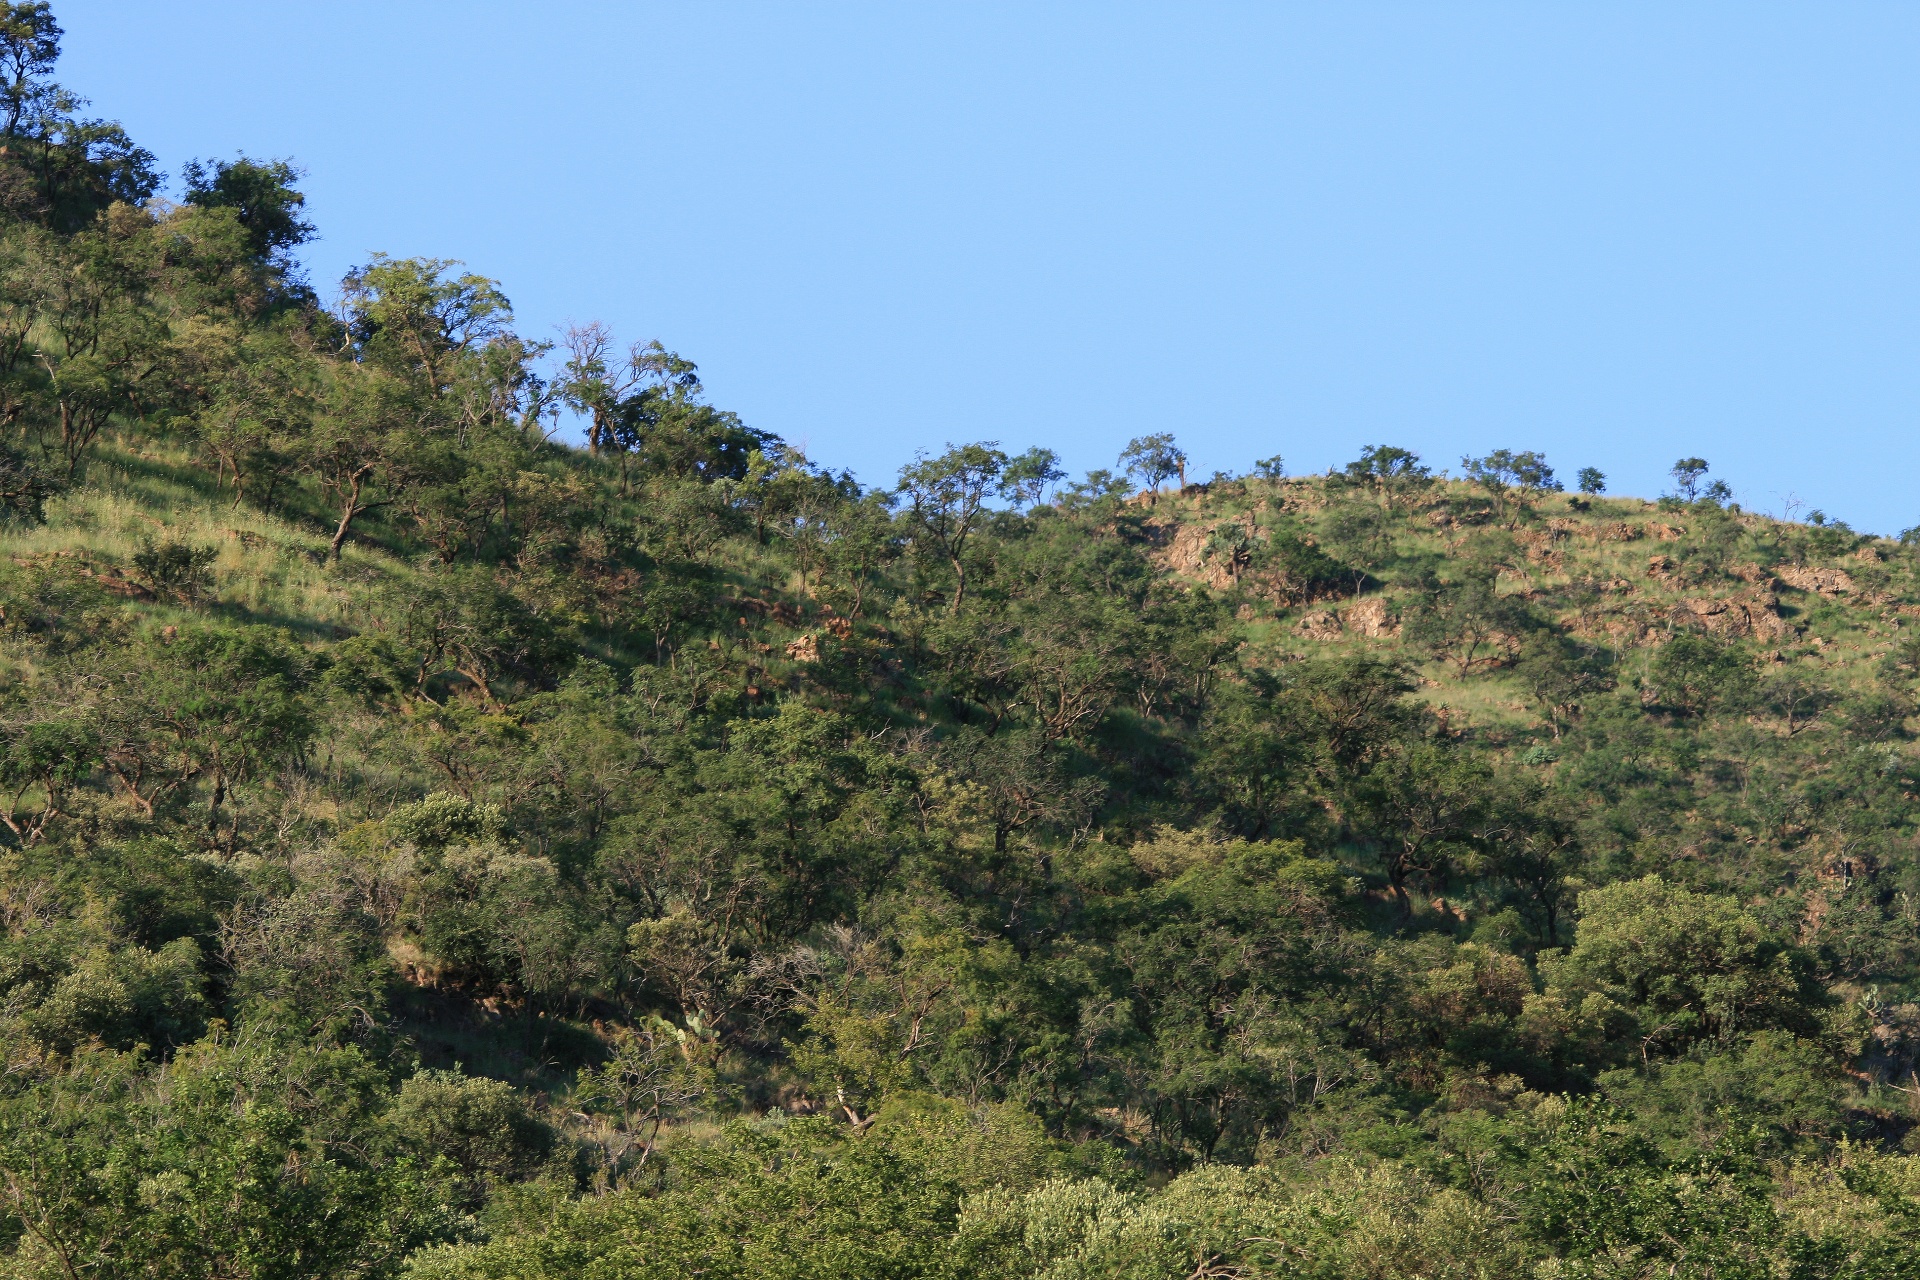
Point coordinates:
[[175, 569], [24, 487], [1511, 479], [1561, 674], [262, 196], [1155, 459], [1300, 571], [1688, 966], [1390, 472], [803, 1200], [1472, 623], [1694, 674], [237, 1155], [482, 1127], [1686, 475]]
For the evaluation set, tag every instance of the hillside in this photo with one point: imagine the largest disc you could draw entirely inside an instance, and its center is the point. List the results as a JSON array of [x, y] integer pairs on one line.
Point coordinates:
[[782, 853], [432, 848]]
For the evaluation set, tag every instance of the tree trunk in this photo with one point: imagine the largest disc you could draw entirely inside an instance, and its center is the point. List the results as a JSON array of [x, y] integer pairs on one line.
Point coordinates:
[[347, 512], [1397, 878]]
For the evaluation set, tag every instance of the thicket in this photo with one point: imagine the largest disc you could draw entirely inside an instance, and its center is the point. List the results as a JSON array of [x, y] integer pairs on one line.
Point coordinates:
[[434, 849]]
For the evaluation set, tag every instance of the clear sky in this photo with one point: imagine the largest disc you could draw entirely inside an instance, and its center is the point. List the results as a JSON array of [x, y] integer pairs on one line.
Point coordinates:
[[1618, 233]]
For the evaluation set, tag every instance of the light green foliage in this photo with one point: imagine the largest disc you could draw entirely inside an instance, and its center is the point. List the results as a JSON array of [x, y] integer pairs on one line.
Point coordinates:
[[1689, 966], [802, 1200], [482, 1127]]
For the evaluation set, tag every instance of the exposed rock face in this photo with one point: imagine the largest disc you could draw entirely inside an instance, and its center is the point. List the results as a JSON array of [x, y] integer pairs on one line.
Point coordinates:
[[1755, 616], [1661, 567], [805, 649], [1666, 532], [1370, 618], [1324, 625], [1827, 582], [1759, 577], [1220, 555], [1538, 544], [1185, 553]]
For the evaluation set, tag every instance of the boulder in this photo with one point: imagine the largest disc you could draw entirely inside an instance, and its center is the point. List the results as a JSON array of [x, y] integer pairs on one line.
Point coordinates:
[[1370, 618], [1321, 625]]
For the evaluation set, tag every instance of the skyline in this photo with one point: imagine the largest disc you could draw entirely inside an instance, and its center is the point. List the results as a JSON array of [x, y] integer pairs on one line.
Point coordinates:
[[1617, 238]]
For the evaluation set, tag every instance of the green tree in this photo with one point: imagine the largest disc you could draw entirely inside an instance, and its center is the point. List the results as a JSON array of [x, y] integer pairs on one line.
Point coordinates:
[[484, 1127], [1697, 674], [263, 198], [1154, 459], [240, 1157], [46, 760], [1027, 476], [1690, 967], [1686, 475], [947, 497], [1471, 624], [1503, 473], [800, 1200], [622, 397], [413, 316], [65, 169], [1389, 471], [1424, 807], [1560, 674], [214, 705]]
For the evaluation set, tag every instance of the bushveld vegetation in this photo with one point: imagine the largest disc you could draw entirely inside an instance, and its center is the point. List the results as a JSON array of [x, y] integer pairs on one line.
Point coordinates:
[[432, 849]]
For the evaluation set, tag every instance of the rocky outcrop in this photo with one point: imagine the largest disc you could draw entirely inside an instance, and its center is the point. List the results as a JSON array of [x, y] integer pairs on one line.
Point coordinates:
[[1755, 616], [1826, 582], [1539, 544], [1185, 553], [1762, 578], [1371, 618], [1323, 624]]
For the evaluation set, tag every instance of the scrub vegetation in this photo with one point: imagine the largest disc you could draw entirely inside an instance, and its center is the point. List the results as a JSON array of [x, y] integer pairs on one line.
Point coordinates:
[[431, 849]]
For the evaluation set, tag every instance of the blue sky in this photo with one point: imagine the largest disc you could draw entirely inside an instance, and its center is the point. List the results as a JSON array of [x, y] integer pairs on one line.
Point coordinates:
[[1618, 234]]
